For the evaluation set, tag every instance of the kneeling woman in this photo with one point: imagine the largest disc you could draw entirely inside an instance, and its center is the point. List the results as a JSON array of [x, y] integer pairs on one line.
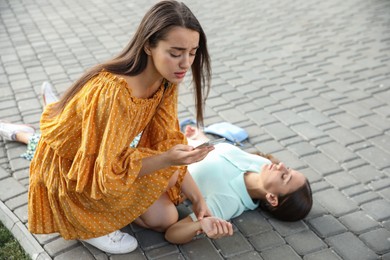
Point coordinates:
[[233, 181]]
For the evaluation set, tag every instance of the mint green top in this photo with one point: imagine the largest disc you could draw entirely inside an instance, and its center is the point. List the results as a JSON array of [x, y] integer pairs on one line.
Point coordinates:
[[220, 178]]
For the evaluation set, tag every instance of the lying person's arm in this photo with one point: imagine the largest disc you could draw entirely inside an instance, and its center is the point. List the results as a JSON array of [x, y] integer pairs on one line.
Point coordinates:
[[186, 229]]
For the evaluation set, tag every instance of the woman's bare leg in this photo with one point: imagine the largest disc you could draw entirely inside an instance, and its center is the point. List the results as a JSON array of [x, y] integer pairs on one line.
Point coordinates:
[[163, 213]]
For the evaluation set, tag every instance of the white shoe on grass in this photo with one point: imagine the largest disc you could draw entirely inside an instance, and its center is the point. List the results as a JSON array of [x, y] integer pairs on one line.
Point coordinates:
[[9, 130], [48, 95], [116, 242]]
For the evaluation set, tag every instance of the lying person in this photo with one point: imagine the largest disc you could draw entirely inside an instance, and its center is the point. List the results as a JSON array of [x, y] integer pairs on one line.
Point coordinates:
[[233, 181]]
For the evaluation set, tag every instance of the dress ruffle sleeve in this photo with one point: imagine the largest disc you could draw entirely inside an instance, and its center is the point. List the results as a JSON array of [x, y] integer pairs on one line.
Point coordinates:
[[104, 151], [163, 132]]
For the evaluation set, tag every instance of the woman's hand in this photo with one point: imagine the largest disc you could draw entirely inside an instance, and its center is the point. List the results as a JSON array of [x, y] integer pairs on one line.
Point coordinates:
[[184, 154], [216, 228], [200, 209]]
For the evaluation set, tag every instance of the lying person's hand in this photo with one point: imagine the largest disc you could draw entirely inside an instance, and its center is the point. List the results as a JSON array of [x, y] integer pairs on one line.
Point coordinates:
[[216, 228]]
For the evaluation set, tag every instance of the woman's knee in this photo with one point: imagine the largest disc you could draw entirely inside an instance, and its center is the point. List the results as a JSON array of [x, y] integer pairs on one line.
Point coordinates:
[[161, 215]]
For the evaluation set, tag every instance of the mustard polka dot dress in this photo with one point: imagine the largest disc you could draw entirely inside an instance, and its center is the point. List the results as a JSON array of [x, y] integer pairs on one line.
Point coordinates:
[[84, 179]]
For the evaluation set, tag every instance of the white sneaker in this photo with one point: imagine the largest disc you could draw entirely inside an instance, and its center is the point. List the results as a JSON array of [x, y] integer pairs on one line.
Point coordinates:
[[9, 130], [48, 95], [116, 242]]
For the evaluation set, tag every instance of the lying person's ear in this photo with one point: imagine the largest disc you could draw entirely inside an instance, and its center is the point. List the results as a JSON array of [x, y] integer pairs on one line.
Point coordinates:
[[272, 199]]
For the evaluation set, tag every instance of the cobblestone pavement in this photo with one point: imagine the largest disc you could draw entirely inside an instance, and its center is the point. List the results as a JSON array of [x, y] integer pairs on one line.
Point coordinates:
[[309, 80]]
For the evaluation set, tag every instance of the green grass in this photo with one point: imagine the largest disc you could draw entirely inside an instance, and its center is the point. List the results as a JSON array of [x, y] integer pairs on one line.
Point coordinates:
[[9, 246]]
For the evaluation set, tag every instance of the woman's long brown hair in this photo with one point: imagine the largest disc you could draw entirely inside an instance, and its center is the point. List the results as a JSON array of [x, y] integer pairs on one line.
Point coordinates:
[[153, 28]]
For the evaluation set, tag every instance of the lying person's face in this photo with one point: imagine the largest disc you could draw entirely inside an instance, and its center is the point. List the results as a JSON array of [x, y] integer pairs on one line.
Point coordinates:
[[279, 180]]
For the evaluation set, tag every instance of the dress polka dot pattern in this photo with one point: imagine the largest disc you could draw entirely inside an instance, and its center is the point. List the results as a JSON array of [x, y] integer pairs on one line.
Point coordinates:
[[84, 175]]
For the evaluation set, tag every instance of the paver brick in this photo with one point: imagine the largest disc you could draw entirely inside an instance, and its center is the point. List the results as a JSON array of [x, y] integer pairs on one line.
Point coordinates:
[[326, 226], [326, 254], [266, 240], [349, 247], [75, 253], [17, 201], [233, 245], [288, 228], [200, 249], [355, 190], [251, 223], [367, 174], [308, 131], [149, 239], [322, 164], [10, 188], [282, 252], [305, 242], [378, 209], [59, 245], [337, 152], [168, 250], [375, 156], [378, 240], [341, 180], [343, 206], [344, 136], [358, 222]]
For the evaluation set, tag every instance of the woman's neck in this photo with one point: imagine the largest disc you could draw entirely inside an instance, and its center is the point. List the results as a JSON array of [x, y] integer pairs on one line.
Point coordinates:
[[145, 84], [254, 185]]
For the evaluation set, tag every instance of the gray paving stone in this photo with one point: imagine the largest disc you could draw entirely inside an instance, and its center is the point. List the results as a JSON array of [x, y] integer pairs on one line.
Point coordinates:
[[326, 254], [251, 223], [375, 156], [157, 253], [322, 164], [149, 239], [378, 209], [266, 240], [288, 228], [4, 174], [308, 132], [305, 242], [366, 174], [311, 175], [378, 240], [19, 164], [382, 142], [378, 122], [10, 188], [367, 132], [200, 249], [319, 186], [344, 136], [75, 253], [136, 255], [341, 180], [282, 252], [279, 131], [355, 190], [17, 201], [343, 206], [288, 117], [261, 118], [326, 226], [314, 117], [365, 197], [232, 246], [252, 255], [349, 247], [379, 184], [358, 222], [60, 245], [337, 152]]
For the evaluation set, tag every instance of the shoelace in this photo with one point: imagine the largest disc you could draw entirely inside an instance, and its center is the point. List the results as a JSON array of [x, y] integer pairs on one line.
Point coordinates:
[[116, 236]]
